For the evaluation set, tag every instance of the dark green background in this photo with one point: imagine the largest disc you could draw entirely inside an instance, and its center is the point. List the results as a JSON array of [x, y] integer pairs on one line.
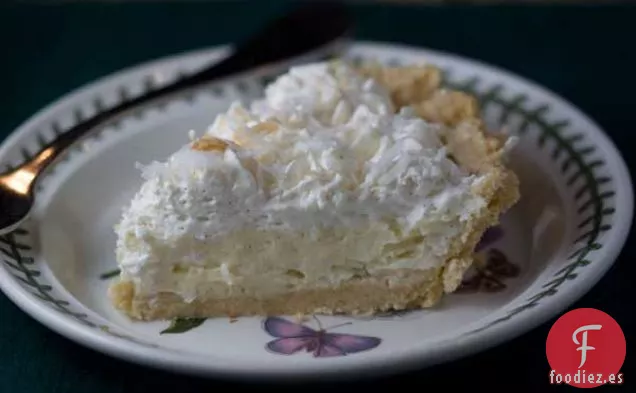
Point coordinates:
[[584, 53]]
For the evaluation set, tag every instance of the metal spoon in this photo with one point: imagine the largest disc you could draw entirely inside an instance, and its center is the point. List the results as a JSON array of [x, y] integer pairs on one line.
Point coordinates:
[[313, 30]]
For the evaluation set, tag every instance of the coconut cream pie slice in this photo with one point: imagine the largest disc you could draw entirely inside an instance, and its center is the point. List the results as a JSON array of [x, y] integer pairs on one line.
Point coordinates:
[[342, 190]]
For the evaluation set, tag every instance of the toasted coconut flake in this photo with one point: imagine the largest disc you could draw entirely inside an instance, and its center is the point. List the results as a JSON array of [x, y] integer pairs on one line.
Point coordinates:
[[266, 127], [209, 143]]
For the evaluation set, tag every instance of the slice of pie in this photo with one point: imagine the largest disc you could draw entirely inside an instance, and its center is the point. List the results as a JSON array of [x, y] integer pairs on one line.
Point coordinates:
[[344, 190]]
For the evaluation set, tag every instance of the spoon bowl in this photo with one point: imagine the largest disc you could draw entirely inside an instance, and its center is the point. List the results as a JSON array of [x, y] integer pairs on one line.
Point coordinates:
[[14, 206]]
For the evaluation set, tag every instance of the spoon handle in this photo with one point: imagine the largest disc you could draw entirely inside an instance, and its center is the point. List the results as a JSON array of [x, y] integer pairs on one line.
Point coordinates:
[[285, 39]]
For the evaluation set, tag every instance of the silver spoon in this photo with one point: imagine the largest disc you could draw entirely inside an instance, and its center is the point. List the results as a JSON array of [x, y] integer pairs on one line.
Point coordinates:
[[313, 30]]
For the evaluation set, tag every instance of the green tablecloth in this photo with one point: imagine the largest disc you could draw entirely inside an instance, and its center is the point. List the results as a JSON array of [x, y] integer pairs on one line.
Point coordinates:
[[583, 53]]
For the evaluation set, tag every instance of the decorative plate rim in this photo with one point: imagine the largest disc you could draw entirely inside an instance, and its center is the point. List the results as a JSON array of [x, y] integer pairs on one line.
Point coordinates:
[[443, 350]]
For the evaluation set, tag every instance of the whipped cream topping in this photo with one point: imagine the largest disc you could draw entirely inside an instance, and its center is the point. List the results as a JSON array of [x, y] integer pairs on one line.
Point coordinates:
[[323, 148]]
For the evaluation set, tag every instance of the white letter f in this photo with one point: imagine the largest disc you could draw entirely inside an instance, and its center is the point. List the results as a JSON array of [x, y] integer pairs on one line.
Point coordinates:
[[584, 347]]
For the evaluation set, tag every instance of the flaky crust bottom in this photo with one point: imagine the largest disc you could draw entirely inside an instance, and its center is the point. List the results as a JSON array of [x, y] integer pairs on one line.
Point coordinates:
[[467, 141], [365, 296]]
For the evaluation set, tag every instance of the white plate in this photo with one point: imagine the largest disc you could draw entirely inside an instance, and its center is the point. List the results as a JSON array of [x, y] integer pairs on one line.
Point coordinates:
[[572, 220]]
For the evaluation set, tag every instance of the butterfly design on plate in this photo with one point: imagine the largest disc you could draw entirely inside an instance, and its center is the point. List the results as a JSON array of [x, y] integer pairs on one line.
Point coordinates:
[[294, 337], [490, 236], [489, 276]]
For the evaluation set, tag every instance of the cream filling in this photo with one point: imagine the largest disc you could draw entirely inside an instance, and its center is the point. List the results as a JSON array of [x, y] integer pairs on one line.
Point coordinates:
[[261, 263]]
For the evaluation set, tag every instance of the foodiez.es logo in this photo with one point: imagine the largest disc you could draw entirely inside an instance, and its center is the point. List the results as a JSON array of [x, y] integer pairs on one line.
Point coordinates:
[[586, 348]]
